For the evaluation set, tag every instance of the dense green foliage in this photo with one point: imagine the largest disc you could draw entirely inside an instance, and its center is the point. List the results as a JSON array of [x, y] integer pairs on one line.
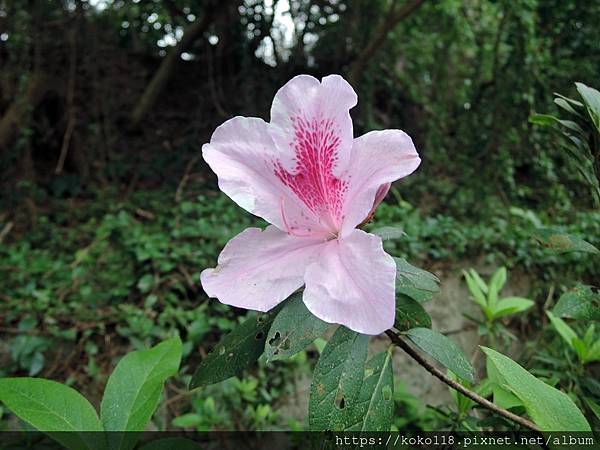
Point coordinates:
[[108, 214]]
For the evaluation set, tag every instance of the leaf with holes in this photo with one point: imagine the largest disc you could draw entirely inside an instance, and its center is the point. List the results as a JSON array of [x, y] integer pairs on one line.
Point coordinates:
[[236, 351], [443, 350], [410, 314], [374, 407], [133, 390], [414, 282], [563, 243], [57, 410], [337, 379], [549, 408], [580, 303], [292, 330]]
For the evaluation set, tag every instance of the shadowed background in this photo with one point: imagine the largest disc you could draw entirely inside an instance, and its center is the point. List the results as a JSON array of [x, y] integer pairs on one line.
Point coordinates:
[[108, 213]]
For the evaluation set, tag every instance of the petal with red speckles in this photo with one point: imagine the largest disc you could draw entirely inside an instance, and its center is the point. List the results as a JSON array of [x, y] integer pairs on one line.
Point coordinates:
[[312, 128], [242, 154]]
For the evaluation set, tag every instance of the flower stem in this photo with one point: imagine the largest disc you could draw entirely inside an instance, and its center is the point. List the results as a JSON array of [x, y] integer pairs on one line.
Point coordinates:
[[398, 341]]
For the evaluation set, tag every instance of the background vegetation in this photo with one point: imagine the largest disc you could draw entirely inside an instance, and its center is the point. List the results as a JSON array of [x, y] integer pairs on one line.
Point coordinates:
[[108, 213]]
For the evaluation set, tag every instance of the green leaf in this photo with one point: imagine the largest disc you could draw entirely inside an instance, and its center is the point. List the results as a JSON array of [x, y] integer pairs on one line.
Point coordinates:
[[320, 344], [55, 409], [593, 353], [547, 120], [133, 390], [236, 351], [496, 284], [595, 407], [293, 329], [189, 420], [588, 338], [374, 407], [475, 289], [414, 282], [463, 403], [580, 348], [569, 100], [443, 350], [544, 120], [504, 398], [410, 314], [591, 98], [549, 408], [482, 285], [565, 331], [501, 396], [337, 379], [563, 243], [389, 233], [561, 102], [511, 305], [579, 303]]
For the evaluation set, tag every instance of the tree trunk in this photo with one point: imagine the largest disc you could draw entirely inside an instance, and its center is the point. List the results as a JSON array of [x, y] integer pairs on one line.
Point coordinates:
[[167, 67], [358, 66], [16, 115]]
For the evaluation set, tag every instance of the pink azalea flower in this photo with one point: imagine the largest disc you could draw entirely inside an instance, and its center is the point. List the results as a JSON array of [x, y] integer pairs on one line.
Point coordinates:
[[306, 175]]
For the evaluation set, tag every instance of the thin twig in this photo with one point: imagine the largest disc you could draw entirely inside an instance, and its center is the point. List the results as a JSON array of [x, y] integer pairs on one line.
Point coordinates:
[[186, 176], [5, 230], [397, 340], [71, 116]]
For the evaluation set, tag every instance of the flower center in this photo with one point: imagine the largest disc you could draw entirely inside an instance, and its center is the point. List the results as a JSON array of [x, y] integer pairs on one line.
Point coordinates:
[[316, 144]]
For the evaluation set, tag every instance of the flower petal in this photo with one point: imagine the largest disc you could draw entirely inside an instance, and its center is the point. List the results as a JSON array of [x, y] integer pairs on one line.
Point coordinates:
[[378, 158], [242, 154], [353, 283], [259, 269], [312, 128]]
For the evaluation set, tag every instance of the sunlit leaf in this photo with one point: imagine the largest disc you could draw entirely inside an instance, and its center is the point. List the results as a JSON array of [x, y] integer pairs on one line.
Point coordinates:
[[591, 98], [565, 331], [512, 305], [475, 288], [133, 390], [57, 410], [549, 408], [495, 286], [593, 353]]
